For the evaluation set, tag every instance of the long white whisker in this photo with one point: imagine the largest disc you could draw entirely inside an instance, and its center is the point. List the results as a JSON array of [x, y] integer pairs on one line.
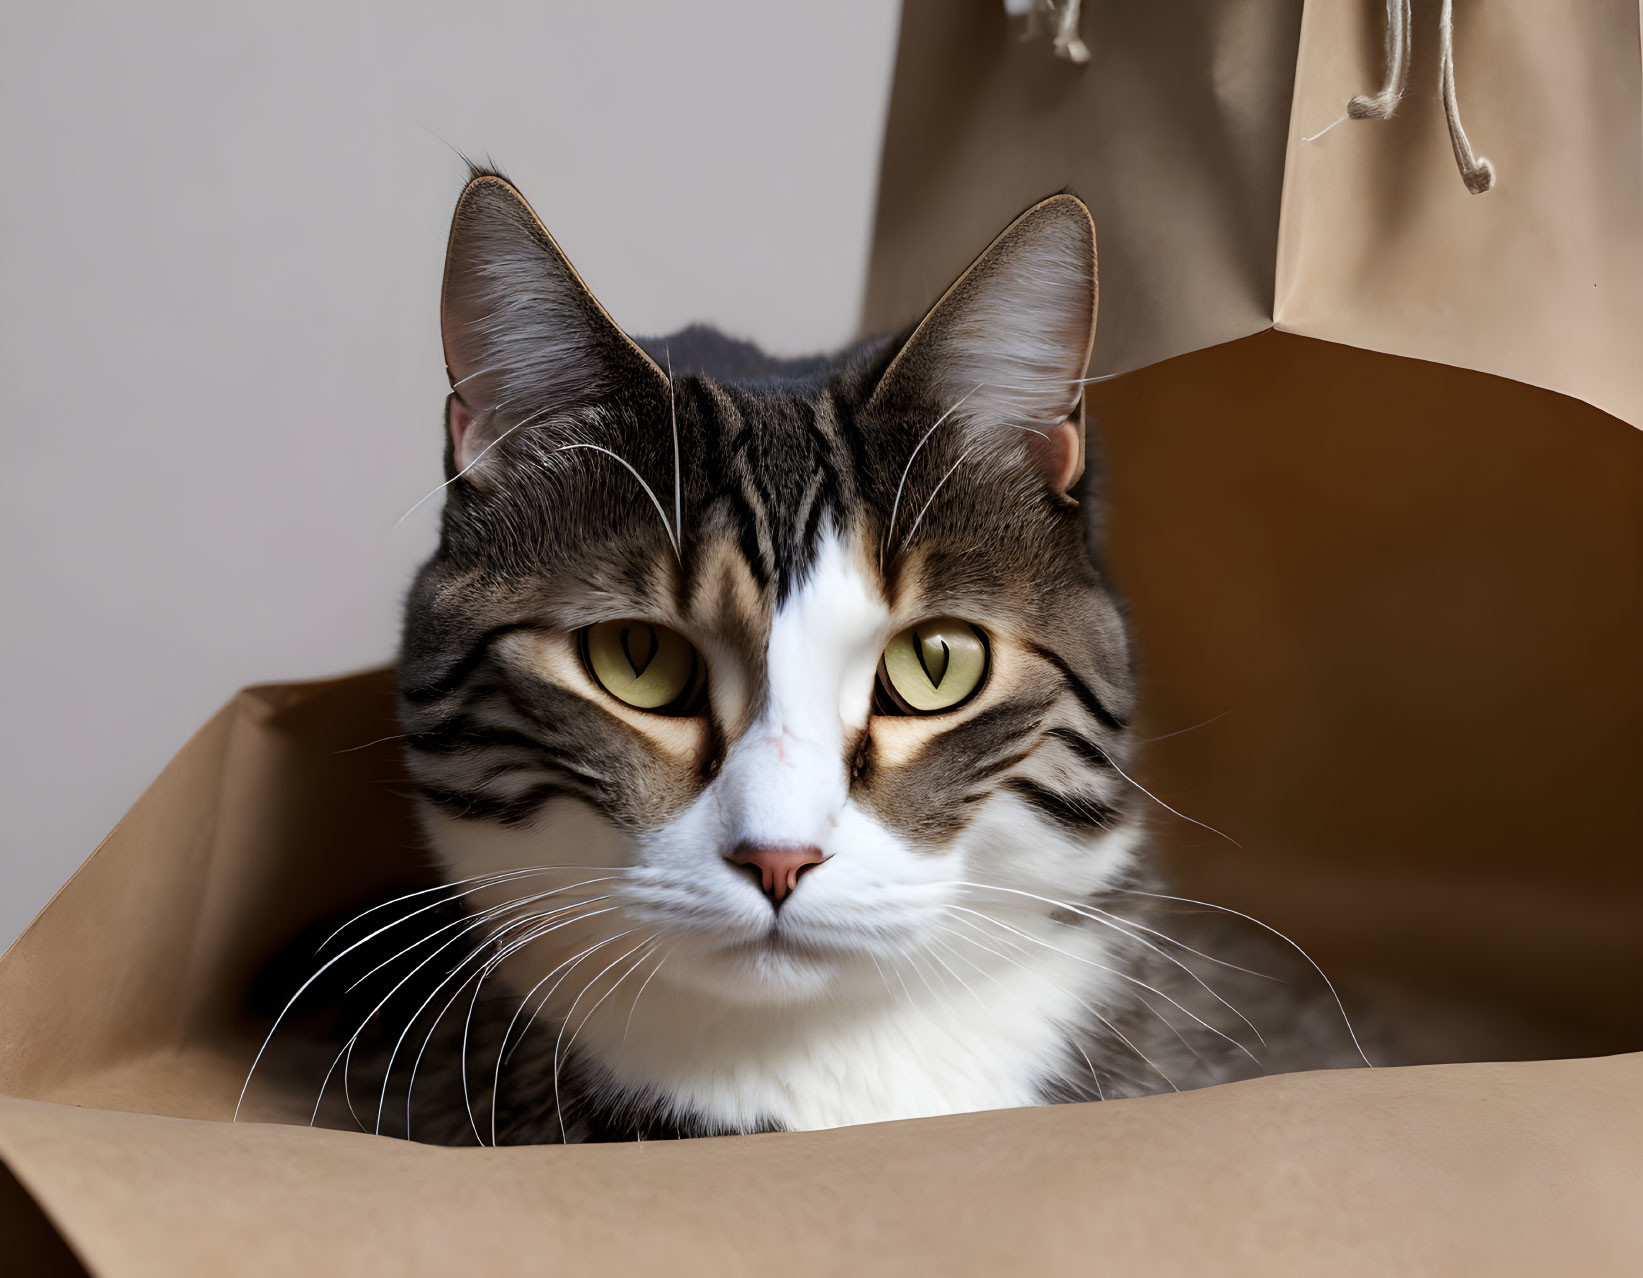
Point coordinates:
[[324, 1083], [895, 506], [291, 1002], [1111, 1028], [569, 966], [478, 457], [650, 947], [410, 1023], [883, 980], [1001, 940], [508, 1058], [931, 498], [1172, 1027], [627, 1028], [529, 920], [502, 956], [1058, 381], [482, 917], [678, 475], [1107, 921], [1095, 1078], [558, 1107], [1114, 920], [923, 510], [1147, 1060], [1104, 917], [961, 956], [405, 918], [398, 736], [1110, 921], [1179, 732], [1339, 1006], [463, 381], [564, 1021], [416, 1064], [484, 880], [963, 984], [650, 492], [410, 1091], [1121, 975], [1193, 820], [942, 1002], [912, 1002], [346, 1054]]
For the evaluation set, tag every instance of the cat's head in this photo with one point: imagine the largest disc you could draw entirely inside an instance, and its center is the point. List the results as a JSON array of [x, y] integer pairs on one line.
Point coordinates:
[[764, 675]]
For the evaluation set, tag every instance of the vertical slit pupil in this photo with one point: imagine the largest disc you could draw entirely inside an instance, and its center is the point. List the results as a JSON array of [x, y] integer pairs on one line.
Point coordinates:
[[639, 664], [933, 663]]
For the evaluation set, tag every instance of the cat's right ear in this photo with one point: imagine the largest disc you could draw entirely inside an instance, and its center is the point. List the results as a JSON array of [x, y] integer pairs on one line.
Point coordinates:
[[526, 342], [1006, 347]]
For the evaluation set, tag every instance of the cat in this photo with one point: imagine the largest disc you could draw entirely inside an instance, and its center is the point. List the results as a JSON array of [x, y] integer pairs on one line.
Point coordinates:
[[771, 721]]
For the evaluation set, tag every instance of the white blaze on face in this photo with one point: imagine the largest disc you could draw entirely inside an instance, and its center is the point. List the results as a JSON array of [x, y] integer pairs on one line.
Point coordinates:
[[785, 781]]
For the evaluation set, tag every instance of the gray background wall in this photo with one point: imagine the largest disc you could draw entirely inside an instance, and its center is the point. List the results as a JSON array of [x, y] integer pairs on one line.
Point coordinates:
[[220, 247]]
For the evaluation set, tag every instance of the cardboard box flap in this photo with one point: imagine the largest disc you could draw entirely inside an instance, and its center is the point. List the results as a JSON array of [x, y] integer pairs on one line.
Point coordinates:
[[1521, 1169], [287, 806]]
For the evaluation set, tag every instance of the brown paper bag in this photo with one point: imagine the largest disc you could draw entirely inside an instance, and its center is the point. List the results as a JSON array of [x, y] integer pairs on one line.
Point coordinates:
[[1194, 134], [1389, 612]]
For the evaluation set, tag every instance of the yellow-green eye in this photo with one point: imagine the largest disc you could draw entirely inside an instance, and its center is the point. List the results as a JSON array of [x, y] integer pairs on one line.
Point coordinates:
[[936, 665], [646, 665]]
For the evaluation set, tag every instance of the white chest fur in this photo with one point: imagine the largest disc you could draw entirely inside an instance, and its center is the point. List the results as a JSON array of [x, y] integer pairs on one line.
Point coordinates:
[[939, 1042]]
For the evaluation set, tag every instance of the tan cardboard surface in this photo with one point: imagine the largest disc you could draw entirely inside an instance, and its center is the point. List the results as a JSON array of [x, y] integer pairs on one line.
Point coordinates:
[[1493, 1169]]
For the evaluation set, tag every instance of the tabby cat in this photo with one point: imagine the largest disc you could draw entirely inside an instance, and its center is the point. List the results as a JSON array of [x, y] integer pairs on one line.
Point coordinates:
[[772, 722]]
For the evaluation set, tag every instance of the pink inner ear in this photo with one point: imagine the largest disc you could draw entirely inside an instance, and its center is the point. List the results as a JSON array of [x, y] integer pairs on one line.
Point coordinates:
[[1056, 455], [457, 420]]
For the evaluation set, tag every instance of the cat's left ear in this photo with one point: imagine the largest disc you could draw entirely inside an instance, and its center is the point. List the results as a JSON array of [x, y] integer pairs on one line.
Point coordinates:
[[526, 341], [1006, 347]]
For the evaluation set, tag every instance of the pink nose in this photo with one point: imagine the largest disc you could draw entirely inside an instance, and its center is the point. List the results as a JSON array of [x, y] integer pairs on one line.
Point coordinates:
[[777, 868]]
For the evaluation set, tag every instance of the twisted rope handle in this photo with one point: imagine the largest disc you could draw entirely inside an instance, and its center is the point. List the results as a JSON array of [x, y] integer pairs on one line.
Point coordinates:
[[1380, 106], [1475, 170]]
